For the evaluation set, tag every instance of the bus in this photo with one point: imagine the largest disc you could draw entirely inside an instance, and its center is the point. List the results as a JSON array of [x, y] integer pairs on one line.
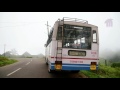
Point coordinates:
[[72, 45]]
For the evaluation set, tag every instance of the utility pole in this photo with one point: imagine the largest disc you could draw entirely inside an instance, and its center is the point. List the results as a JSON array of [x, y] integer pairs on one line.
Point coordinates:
[[4, 50], [48, 28]]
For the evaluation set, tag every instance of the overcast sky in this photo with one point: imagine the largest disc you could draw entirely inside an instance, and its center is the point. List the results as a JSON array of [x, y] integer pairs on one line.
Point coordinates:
[[26, 31]]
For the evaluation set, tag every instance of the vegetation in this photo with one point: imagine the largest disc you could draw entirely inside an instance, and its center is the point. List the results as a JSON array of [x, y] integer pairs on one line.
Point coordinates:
[[106, 70], [13, 54], [115, 65], [28, 57], [5, 61]]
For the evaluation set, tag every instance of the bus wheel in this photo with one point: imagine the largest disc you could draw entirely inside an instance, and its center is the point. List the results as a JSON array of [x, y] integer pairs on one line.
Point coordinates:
[[49, 70], [46, 61]]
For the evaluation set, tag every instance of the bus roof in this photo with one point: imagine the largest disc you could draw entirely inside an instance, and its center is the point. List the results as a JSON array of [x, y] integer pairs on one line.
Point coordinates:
[[74, 21]]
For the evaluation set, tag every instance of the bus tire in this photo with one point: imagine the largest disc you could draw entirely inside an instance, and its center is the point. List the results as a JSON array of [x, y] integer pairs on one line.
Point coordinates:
[[49, 70], [46, 61]]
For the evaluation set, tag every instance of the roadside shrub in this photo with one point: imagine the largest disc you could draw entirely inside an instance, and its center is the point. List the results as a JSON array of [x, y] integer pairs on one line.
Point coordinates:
[[3, 58], [115, 65]]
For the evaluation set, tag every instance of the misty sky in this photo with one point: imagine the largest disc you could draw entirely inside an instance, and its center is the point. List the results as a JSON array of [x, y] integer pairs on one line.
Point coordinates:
[[26, 31]]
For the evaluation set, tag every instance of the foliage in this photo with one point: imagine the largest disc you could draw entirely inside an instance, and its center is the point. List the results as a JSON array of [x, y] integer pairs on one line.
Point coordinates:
[[28, 57], [103, 72], [3, 58], [115, 65], [5, 61]]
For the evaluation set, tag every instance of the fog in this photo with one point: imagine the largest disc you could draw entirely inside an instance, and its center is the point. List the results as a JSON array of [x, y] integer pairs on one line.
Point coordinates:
[[26, 31]]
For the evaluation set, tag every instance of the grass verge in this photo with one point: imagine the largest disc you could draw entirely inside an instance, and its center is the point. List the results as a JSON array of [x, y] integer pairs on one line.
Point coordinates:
[[5, 61], [103, 72]]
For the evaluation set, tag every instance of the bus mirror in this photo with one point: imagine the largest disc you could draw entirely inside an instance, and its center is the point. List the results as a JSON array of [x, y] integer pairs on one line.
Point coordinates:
[[44, 45]]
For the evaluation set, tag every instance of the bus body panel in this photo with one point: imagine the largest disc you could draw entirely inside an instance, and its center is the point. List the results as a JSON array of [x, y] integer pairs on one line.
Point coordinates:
[[73, 62]]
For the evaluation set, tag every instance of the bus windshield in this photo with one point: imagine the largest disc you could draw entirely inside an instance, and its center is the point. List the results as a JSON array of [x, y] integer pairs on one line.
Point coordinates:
[[76, 37]]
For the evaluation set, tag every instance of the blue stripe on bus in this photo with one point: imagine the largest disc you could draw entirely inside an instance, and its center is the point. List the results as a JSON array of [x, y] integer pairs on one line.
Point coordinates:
[[73, 66]]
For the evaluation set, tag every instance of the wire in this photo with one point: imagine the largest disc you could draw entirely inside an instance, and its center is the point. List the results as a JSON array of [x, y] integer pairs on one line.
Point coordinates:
[[28, 23]]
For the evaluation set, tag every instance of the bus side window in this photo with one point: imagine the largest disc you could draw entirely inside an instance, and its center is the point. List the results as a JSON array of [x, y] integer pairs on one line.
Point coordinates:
[[59, 33], [49, 37], [94, 36]]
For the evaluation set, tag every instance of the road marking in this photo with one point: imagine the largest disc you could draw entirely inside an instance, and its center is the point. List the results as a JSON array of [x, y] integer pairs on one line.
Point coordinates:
[[13, 72], [28, 63], [31, 59]]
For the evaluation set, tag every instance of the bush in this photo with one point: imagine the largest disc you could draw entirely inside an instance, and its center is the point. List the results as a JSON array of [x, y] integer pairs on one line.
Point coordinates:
[[115, 65], [28, 57], [5, 61], [3, 58]]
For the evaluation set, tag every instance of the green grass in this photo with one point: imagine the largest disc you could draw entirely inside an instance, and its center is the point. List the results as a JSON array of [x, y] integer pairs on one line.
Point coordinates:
[[103, 72], [89, 74], [117, 64], [5, 61]]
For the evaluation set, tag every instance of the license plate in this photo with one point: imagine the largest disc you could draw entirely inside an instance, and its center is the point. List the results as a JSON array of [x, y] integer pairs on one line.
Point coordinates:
[[77, 53], [93, 67], [58, 67], [73, 53]]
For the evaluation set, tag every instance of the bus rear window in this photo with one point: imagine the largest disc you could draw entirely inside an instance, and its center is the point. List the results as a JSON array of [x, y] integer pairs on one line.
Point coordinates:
[[77, 37]]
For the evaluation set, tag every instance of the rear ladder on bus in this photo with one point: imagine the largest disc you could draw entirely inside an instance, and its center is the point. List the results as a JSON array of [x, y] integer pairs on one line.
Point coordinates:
[[58, 62]]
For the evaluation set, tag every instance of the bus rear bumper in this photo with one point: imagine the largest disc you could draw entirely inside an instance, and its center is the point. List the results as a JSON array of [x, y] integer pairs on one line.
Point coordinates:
[[73, 66]]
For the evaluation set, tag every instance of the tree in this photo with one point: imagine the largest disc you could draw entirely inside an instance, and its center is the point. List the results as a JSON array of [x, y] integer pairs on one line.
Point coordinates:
[[14, 52], [7, 54]]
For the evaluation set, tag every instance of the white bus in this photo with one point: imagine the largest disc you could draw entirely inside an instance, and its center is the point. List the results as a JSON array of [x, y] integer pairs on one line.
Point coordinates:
[[72, 45]]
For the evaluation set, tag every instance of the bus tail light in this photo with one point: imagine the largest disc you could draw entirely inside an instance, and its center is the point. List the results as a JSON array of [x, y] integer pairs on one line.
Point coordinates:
[[58, 65], [93, 66]]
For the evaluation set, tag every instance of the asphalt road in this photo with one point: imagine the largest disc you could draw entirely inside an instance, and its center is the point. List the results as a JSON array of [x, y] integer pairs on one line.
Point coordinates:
[[32, 68]]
